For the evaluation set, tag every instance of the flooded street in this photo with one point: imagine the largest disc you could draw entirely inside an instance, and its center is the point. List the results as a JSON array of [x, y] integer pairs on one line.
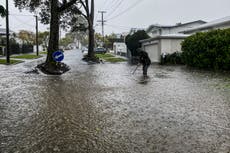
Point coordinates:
[[104, 108]]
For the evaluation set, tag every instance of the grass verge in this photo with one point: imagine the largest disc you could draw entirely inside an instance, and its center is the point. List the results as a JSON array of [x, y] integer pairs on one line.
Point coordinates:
[[104, 55], [3, 61], [115, 59], [110, 58], [44, 52], [26, 56]]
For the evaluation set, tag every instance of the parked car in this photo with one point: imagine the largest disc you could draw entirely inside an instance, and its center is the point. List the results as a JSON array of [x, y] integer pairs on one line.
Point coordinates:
[[84, 51], [100, 50]]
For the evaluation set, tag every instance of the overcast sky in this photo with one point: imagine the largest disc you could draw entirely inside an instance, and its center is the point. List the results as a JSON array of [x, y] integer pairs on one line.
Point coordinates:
[[121, 15]]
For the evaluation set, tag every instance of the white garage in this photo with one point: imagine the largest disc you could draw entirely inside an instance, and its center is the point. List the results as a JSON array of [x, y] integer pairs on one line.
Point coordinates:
[[153, 51], [162, 44]]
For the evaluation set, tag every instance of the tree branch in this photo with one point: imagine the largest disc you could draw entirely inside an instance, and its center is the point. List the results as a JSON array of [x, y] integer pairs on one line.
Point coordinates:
[[84, 5], [85, 16], [92, 11], [66, 5]]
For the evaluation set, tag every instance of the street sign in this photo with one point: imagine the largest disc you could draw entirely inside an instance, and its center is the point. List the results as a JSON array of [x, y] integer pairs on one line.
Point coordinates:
[[58, 56]]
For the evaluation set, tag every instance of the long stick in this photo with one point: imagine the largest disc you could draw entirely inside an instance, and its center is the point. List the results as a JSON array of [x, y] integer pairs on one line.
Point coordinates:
[[135, 69]]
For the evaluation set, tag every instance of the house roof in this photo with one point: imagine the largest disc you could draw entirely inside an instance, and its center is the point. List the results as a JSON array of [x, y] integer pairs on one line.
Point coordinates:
[[214, 23], [176, 25], [167, 36]]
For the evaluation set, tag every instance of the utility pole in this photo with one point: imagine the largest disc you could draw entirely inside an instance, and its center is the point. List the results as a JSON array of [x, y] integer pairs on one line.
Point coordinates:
[[36, 17], [102, 24], [7, 34]]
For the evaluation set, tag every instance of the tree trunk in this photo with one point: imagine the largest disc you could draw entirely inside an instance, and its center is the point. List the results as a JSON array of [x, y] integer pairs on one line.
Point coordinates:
[[91, 31], [51, 66], [91, 42], [54, 31]]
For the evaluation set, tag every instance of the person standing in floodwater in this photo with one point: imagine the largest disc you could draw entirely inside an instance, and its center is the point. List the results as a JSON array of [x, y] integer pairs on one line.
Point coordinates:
[[144, 60]]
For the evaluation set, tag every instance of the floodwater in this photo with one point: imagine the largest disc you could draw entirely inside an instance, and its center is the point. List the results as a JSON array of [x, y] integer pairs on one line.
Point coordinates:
[[104, 108]]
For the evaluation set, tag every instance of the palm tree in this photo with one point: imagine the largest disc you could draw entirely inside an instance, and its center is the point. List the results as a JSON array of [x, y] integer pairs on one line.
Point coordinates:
[[2, 11]]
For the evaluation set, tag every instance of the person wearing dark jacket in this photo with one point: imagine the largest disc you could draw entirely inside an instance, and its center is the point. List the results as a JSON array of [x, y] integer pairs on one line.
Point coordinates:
[[144, 60]]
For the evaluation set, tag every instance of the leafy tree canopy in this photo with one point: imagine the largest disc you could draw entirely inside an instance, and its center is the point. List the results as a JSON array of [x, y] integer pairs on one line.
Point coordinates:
[[2, 11], [68, 9], [132, 41], [27, 37]]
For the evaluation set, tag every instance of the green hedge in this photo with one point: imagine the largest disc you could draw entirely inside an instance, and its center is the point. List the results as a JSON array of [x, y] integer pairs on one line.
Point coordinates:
[[209, 50], [174, 58]]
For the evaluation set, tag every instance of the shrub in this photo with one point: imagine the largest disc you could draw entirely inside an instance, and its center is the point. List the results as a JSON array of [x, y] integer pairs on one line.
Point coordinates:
[[209, 50], [174, 58]]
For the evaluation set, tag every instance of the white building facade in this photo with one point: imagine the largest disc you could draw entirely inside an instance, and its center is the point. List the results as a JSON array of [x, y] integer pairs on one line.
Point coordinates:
[[223, 23], [120, 48], [162, 44], [166, 39]]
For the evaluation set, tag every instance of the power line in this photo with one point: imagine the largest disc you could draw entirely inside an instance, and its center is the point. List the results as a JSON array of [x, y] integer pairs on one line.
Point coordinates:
[[112, 2], [121, 27], [103, 7], [115, 7], [127, 9]]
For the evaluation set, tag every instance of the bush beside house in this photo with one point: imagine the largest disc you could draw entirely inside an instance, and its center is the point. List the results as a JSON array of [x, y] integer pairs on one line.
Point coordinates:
[[174, 58], [209, 50]]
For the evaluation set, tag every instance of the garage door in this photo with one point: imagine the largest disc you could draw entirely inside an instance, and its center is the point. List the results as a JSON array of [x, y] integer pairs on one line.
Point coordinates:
[[153, 52]]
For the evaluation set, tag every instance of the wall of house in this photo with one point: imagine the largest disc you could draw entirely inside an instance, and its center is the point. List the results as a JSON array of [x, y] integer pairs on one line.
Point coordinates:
[[154, 32], [171, 45], [176, 45], [165, 31], [165, 46]]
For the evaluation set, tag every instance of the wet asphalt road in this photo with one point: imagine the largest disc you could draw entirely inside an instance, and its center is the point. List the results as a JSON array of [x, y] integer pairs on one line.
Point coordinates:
[[103, 108]]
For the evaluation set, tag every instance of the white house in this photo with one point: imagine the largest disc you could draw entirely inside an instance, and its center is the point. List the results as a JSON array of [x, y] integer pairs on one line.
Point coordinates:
[[156, 29], [168, 43], [222, 23], [166, 39], [120, 48]]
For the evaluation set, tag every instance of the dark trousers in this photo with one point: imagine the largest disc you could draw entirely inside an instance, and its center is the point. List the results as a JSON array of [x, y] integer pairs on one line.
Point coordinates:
[[145, 69]]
